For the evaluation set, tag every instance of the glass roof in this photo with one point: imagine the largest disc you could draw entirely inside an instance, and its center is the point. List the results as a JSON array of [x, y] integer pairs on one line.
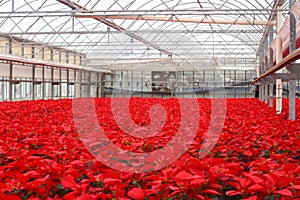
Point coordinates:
[[149, 29]]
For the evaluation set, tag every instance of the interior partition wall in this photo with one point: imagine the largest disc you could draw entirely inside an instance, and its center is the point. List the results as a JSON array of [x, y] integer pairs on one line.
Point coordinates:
[[200, 83], [29, 82]]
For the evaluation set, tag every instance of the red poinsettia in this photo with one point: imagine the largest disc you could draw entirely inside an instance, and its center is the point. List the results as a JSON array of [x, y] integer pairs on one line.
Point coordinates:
[[43, 157]]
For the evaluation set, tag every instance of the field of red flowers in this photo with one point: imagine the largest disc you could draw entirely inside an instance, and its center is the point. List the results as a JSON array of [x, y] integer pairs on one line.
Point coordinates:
[[42, 156]]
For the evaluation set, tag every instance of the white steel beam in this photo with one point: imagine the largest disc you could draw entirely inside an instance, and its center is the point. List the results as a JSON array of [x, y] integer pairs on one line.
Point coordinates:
[[176, 19], [76, 6]]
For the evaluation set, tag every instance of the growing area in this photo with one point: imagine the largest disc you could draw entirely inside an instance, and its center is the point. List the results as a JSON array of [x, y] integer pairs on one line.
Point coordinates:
[[42, 156]]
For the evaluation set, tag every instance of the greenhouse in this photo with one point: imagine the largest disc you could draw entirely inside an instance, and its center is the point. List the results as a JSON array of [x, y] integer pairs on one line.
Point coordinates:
[[154, 99]]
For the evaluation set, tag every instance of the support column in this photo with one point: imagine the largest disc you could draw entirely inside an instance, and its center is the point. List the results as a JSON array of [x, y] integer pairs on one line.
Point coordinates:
[[260, 93], [89, 76], [26, 89], [52, 83], [142, 87], [21, 89], [278, 59], [78, 84], [271, 52], [271, 60], [292, 29], [10, 81], [101, 84], [266, 93], [75, 72], [97, 84], [194, 82], [60, 83], [112, 81], [260, 72], [278, 96], [271, 87], [121, 83], [263, 69], [263, 92], [68, 83], [255, 87], [102, 87], [33, 83], [292, 88], [292, 100], [44, 82], [2, 88]]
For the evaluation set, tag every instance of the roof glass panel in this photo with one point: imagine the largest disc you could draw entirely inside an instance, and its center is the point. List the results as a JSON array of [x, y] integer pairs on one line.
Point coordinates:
[[142, 29]]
